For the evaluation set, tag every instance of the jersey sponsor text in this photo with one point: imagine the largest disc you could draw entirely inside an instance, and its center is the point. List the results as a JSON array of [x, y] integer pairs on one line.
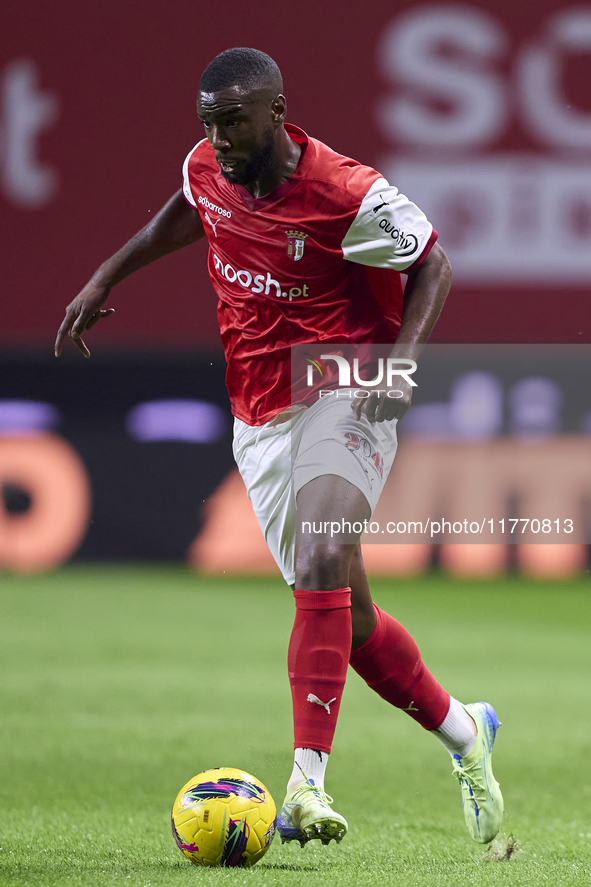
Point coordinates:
[[406, 244], [205, 201], [260, 283]]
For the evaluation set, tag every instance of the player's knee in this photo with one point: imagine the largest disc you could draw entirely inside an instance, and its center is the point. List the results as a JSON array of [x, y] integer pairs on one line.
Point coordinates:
[[323, 567]]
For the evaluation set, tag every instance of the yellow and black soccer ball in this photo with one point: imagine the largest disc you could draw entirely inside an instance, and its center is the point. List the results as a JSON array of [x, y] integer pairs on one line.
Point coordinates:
[[223, 817]]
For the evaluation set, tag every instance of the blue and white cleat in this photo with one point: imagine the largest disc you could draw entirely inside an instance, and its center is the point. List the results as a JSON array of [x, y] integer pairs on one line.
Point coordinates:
[[481, 796], [307, 814]]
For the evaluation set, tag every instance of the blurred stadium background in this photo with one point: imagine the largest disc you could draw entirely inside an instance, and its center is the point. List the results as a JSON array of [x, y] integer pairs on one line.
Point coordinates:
[[478, 110]]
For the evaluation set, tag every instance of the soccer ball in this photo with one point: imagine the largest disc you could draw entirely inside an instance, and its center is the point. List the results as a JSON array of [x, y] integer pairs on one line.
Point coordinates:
[[223, 817]]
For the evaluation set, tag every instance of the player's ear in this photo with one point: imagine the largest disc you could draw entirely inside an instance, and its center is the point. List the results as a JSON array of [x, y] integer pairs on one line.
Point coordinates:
[[278, 109]]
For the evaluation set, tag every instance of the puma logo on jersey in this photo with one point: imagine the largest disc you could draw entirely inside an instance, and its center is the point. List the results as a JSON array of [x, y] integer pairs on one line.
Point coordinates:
[[380, 205], [213, 224], [317, 701]]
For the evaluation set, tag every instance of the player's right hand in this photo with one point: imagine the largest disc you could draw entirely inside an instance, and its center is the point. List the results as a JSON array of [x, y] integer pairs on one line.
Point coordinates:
[[82, 314]]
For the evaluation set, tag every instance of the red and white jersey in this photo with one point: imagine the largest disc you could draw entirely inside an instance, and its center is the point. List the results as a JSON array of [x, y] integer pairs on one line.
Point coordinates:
[[316, 260]]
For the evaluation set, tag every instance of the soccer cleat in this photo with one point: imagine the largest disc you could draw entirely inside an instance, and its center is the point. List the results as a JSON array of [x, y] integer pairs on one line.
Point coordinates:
[[306, 814], [481, 796]]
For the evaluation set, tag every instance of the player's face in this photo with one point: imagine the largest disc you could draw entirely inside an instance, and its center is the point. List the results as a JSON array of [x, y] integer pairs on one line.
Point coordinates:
[[241, 129]]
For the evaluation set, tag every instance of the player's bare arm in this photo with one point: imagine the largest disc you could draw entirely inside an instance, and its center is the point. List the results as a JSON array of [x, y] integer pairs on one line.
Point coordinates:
[[175, 226], [424, 297]]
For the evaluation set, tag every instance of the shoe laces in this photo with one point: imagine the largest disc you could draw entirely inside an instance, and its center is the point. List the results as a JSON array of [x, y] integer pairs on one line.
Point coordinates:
[[326, 798], [309, 786], [471, 774]]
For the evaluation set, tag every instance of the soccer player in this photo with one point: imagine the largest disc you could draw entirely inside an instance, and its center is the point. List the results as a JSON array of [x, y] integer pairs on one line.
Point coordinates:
[[308, 246]]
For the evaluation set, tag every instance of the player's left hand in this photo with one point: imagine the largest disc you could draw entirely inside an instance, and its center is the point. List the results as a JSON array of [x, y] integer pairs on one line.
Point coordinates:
[[384, 404]]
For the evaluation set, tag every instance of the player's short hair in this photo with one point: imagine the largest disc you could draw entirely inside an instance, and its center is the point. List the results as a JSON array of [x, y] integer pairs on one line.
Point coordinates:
[[241, 66]]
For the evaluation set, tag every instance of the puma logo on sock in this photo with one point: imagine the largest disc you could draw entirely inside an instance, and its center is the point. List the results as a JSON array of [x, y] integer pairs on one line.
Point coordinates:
[[411, 707], [326, 705]]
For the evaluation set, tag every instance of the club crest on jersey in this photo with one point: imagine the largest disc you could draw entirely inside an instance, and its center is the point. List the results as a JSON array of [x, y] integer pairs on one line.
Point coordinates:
[[296, 241]]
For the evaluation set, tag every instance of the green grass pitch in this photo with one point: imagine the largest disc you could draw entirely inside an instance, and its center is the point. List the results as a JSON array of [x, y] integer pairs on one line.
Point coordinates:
[[119, 684]]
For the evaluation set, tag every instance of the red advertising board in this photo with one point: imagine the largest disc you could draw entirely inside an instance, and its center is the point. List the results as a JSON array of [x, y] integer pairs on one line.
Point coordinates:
[[479, 111]]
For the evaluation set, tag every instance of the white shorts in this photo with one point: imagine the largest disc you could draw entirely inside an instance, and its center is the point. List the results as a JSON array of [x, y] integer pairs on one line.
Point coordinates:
[[277, 459]]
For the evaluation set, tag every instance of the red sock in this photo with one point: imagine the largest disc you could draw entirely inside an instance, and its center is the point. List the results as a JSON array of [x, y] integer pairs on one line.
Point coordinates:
[[390, 663], [317, 660]]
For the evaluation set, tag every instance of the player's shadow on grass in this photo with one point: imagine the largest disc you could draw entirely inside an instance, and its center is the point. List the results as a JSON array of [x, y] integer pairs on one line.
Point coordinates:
[[287, 867]]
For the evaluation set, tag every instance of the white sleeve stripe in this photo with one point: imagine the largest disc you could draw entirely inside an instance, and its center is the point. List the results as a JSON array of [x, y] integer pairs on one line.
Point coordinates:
[[388, 232], [186, 186]]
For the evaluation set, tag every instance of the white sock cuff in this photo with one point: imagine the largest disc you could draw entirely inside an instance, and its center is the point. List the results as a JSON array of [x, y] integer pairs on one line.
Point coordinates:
[[457, 731], [308, 764]]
